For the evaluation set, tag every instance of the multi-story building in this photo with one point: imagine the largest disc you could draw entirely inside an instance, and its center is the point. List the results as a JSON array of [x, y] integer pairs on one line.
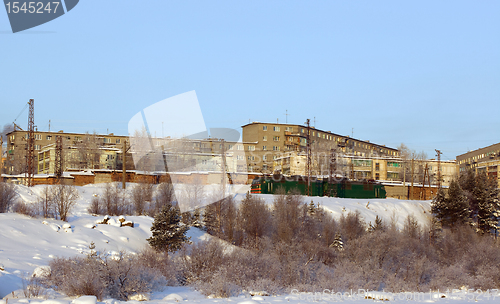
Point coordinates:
[[95, 151], [266, 142], [87, 145], [485, 160], [353, 167]]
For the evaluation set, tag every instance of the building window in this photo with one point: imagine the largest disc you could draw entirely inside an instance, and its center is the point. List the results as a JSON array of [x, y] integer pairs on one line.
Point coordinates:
[[49, 137], [37, 147], [377, 176], [276, 129], [239, 157], [362, 163], [240, 147], [276, 148], [264, 148], [251, 148], [251, 158], [264, 157], [264, 128], [264, 138], [276, 138], [118, 140], [377, 166], [289, 129]]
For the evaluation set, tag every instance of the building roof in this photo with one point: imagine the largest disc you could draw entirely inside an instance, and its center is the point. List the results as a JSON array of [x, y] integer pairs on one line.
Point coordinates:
[[313, 128]]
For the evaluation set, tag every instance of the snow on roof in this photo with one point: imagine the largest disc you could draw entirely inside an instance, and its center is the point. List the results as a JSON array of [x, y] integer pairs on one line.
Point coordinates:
[[85, 172]]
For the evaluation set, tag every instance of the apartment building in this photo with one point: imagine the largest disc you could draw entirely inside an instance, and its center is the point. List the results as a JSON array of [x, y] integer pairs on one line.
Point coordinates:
[[266, 142], [485, 160], [17, 145], [97, 151]]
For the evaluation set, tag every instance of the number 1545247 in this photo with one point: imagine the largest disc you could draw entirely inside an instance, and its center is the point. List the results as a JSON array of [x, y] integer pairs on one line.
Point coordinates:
[[31, 7]]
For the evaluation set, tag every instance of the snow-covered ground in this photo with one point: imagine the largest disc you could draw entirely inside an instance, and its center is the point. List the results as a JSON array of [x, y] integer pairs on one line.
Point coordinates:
[[27, 243]]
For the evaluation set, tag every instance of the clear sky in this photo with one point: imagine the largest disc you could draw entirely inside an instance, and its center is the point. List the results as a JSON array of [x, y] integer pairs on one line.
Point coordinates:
[[423, 73]]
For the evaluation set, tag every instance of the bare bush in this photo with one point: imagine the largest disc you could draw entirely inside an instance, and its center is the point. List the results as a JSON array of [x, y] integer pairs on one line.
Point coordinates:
[[142, 195], [7, 196], [26, 209], [112, 201], [286, 215], [254, 218], [33, 287], [64, 198], [352, 225], [117, 277], [46, 202], [165, 194]]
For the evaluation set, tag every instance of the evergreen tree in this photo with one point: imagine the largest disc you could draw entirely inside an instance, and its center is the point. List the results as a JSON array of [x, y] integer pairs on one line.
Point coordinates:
[[187, 218], [452, 210], [311, 210], [469, 184], [196, 219], [229, 216], [337, 242], [210, 220], [168, 233], [378, 226], [435, 231]]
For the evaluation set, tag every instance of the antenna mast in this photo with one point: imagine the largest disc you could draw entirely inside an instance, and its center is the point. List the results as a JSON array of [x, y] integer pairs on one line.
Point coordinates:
[[30, 153], [59, 160], [439, 167], [308, 161]]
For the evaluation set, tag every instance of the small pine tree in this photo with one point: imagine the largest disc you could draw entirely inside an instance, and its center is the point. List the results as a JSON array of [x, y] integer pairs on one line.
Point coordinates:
[[196, 219], [92, 253], [337, 243], [187, 218], [378, 226], [168, 233], [311, 210]]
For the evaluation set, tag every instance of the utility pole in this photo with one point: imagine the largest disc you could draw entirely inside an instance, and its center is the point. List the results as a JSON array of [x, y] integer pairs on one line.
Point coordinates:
[[124, 159], [31, 142], [124, 164], [412, 172], [308, 160], [404, 179], [423, 184], [58, 170], [439, 167], [223, 156], [333, 167]]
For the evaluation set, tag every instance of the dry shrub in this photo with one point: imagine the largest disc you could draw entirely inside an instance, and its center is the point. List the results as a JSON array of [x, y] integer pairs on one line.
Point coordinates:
[[26, 209]]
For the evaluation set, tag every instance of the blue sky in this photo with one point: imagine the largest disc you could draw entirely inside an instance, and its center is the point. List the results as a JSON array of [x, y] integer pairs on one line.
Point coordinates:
[[423, 73]]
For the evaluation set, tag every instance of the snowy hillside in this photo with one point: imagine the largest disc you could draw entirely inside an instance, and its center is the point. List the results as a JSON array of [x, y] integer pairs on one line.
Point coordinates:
[[27, 243]]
